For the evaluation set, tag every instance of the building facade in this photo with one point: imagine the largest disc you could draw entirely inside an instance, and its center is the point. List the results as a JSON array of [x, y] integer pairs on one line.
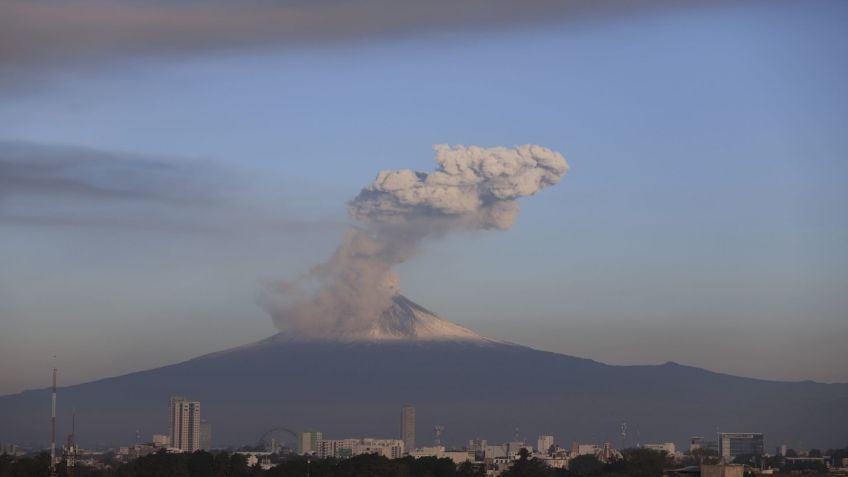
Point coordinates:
[[205, 435], [733, 444], [667, 447], [307, 442], [184, 424], [160, 440], [407, 427], [344, 448], [544, 444]]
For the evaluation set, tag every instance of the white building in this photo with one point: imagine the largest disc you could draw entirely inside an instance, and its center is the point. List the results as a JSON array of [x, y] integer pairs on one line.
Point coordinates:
[[307, 442], [667, 447], [184, 424], [555, 461], [544, 444], [477, 445], [439, 452], [513, 448], [161, 440], [343, 448], [583, 449], [604, 453], [496, 451]]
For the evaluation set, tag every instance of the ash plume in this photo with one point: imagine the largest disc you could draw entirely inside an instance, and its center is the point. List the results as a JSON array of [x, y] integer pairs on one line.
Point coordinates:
[[473, 188]]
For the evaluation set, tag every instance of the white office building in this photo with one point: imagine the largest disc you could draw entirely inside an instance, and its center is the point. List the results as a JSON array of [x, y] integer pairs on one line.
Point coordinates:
[[184, 424]]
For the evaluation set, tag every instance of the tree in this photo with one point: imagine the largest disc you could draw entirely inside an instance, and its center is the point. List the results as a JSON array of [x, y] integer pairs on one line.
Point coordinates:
[[527, 467], [584, 465], [238, 466], [469, 469], [701, 455], [201, 464], [642, 462], [815, 453]]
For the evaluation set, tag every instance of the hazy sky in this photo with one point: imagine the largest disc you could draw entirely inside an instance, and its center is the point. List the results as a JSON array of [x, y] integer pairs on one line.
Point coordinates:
[[145, 196]]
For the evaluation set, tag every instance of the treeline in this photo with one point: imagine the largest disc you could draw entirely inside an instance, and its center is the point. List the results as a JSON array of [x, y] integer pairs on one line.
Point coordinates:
[[636, 463]]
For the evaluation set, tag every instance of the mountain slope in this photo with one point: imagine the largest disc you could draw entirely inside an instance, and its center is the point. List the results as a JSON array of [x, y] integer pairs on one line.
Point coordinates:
[[473, 386]]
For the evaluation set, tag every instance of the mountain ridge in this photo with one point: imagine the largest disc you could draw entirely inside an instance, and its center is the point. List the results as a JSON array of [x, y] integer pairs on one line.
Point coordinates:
[[474, 387]]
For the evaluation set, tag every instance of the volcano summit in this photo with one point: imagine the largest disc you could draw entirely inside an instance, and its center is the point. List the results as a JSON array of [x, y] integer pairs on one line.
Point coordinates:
[[403, 320]]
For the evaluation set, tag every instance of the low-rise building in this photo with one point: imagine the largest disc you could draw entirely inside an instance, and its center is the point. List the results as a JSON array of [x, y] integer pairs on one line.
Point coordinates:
[[343, 448], [161, 440], [544, 444], [667, 447]]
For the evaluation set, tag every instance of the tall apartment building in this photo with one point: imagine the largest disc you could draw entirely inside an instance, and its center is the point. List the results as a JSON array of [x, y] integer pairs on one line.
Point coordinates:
[[184, 424], [307, 442], [407, 427], [733, 444]]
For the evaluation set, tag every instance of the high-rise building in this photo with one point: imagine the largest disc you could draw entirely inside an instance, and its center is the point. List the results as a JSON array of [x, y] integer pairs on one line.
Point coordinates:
[[734, 444], [205, 435], [307, 442], [407, 427], [184, 424]]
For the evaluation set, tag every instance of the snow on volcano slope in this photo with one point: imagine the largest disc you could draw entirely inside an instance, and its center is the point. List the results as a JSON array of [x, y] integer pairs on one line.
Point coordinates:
[[404, 320]]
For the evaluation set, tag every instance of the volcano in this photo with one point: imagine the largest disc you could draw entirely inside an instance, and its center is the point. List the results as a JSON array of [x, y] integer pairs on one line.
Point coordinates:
[[355, 384], [403, 320]]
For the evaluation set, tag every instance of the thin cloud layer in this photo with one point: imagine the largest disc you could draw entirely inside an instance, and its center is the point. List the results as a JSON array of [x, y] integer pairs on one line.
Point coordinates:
[[45, 184], [66, 172], [58, 185]]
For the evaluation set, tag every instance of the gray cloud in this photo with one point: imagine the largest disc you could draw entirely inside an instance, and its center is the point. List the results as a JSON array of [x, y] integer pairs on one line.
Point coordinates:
[[66, 185], [62, 31], [63, 172]]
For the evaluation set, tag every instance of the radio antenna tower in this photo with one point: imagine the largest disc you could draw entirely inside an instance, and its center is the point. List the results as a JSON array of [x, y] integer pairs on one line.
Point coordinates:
[[53, 427], [439, 428]]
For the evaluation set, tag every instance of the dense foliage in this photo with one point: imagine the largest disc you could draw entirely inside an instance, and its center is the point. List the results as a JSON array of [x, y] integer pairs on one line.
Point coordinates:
[[635, 463]]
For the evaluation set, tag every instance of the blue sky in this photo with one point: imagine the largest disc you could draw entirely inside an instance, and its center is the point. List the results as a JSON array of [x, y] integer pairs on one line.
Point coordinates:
[[702, 220]]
